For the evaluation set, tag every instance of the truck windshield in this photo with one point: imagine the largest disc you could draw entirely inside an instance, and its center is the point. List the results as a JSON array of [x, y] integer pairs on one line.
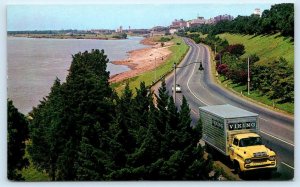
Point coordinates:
[[245, 142]]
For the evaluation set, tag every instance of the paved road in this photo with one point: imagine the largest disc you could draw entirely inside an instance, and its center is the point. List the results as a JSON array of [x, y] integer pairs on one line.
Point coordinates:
[[199, 89]]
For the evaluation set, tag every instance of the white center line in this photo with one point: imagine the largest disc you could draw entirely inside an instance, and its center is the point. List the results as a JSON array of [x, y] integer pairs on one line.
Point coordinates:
[[287, 165], [263, 119], [189, 86], [277, 138], [194, 111]]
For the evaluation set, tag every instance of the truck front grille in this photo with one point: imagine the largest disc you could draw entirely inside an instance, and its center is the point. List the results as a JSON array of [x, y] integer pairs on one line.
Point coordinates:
[[256, 160], [259, 154]]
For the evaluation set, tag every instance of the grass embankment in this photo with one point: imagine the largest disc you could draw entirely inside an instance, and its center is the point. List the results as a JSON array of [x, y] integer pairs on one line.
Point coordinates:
[[268, 48], [179, 49]]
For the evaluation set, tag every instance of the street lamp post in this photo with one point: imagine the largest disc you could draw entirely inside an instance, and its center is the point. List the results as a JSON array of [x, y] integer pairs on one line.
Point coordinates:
[[248, 78], [174, 86]]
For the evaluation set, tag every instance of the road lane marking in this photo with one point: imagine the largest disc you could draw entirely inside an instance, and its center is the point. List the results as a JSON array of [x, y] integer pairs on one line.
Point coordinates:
[[277, 138], [287, 165], [194, 111], [263, 119], [189, 86]]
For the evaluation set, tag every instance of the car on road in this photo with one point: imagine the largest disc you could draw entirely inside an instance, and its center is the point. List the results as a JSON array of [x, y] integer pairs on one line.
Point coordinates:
[[177, 88]]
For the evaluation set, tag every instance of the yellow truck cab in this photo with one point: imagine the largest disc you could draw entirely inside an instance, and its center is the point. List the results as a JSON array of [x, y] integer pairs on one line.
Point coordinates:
[[234, 132], [248, 153]]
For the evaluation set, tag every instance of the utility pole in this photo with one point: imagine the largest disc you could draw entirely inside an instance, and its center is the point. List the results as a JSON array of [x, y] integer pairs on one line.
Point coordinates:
[[155, 69], [215, 49], [174, 86], [248, 77]]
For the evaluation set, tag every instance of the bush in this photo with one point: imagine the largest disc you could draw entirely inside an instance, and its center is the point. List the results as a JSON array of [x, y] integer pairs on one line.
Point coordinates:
[[222, 69], [237, 49], [164, 39]]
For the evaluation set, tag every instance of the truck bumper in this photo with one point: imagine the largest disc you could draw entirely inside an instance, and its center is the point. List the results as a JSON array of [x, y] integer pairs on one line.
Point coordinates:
[[268, 166]]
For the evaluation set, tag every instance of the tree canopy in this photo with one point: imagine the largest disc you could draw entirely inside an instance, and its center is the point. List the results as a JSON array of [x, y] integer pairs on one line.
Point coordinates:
[[84, 131], [280, 18], [17, 133]]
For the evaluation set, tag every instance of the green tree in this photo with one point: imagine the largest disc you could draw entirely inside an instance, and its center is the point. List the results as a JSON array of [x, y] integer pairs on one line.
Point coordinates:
[[162, 103], [275, 79], [124, 127], [17, 133], [282, 86], [46, 133], [94, 158], [149, 151], [74, 119], [89, 107], [141, 106]]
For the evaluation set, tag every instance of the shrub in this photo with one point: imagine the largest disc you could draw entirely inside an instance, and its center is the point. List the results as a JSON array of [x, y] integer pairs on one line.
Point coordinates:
[[222, 69], [237, 49]]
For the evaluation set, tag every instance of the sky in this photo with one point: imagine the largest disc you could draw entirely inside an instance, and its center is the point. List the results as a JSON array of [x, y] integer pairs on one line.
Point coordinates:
[[105, 16]]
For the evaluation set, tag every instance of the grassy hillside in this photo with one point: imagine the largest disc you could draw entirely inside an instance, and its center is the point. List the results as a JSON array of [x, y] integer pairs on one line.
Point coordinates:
[[267, 47]]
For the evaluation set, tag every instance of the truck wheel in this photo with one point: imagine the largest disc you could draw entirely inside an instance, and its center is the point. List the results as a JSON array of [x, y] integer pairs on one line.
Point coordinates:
[[210, 151], [207, 148], [237, 169]]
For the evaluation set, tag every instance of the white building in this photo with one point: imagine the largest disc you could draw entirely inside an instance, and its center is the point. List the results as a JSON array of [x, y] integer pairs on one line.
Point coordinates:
[[257, 12], [172, 31]]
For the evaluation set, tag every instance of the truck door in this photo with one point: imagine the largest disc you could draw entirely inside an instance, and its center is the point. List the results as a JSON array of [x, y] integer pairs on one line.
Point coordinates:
[[233, 146]]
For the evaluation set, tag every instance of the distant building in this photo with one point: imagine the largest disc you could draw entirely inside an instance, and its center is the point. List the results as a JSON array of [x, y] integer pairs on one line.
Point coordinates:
[[210, 21], [120, 29], [178, 24], [257, 12], [172, 31], [222, 18], [101, 31], [197, 22], [159, 28]]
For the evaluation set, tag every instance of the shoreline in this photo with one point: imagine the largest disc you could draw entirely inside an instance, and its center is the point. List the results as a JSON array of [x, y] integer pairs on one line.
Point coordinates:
[[61, 37], [142, 60]]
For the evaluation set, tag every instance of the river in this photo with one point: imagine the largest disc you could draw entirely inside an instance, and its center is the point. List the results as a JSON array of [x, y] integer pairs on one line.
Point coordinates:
[[33, 64]]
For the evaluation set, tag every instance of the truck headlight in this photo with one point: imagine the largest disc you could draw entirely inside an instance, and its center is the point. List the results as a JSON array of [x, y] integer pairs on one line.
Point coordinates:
[[248, 161], [272, 158]]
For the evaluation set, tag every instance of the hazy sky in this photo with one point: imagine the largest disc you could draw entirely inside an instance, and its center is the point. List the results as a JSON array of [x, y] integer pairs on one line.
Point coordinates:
[[55, 17]]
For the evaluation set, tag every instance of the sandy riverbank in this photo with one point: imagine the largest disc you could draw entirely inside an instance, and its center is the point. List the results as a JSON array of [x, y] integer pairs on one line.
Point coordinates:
[[142, 60]]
